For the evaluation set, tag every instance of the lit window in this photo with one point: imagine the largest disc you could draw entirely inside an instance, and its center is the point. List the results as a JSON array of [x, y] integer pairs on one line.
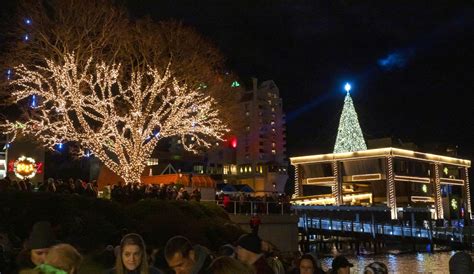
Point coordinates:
[[273, 144], [226, 169], [272, 123], [247, 113], [245, 169], [250, 169], [273, 109], [247, 128], [274, 130], [152, 162], [274, 151]]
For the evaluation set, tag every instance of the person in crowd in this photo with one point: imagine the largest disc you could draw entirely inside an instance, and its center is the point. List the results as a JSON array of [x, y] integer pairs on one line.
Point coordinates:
[[36, 247], [226, 250], [376, 268], [61, 259], [255, 223], [132, 257], [308, 264], [228, 265], [89, 191], [249, 251], [461, 263], [184, 258], [340, 265]]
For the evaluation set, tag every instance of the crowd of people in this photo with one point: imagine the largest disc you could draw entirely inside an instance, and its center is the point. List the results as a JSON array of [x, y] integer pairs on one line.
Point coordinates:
[[43, 254], [134, 191]]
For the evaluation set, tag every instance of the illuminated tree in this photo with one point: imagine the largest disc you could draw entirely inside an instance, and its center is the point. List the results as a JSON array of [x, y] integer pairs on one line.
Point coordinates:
[[349, 134], [120, 119], [100, 28]]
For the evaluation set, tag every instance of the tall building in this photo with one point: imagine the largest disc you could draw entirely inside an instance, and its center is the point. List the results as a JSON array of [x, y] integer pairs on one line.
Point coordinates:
[[256, 156]]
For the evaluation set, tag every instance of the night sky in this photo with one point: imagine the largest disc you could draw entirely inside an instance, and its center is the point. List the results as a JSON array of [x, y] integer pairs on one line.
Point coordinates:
[[411, 63]]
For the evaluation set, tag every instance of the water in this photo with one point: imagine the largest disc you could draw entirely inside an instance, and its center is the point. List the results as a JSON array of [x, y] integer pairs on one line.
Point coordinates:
[[401, 263]]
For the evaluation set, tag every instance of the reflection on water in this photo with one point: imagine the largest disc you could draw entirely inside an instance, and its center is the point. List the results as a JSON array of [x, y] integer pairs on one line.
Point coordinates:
[[402, 263]]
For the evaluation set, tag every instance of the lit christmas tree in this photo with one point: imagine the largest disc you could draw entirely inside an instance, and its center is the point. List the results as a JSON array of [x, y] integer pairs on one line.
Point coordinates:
[[120, 122], [349, 134]]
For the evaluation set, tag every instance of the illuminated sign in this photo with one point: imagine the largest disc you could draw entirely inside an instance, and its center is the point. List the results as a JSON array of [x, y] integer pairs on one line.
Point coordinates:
[[25, 167]]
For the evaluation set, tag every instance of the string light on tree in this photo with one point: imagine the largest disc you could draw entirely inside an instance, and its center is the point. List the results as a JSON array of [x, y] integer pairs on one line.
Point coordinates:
[[349, 134], [115, 120]]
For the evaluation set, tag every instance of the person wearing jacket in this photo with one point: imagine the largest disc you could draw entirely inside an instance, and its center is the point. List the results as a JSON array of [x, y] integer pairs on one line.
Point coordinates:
[[132, 258], [184, 258], [249, 251], [36, 247]]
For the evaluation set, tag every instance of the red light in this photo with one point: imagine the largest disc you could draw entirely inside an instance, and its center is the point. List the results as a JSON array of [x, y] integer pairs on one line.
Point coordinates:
[[233, 142], [39, 168], [11, 166]]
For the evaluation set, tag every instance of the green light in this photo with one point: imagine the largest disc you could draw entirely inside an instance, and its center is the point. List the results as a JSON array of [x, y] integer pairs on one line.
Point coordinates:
[[424, 188], [235, 84], [454, 204]]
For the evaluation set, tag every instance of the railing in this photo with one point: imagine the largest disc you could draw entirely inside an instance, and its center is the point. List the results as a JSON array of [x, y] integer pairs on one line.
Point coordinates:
[[256, 207], [443, 233]]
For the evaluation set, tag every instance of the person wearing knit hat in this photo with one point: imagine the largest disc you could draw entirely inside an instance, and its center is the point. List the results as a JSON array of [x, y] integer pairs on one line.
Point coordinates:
[[37, 246], [249, 251], [461, 263]]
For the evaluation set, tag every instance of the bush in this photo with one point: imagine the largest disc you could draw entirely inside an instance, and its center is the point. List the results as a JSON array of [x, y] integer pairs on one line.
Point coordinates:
[[91, 223]]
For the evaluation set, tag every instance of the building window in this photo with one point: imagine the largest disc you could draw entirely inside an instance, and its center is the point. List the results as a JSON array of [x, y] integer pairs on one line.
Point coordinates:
[[247, 128], [152, 162], [199, 169], [274, 130], [247, 113], [233, 169], [226, 169], [274, 151], [273, 109], [272, 123], [273, 144]]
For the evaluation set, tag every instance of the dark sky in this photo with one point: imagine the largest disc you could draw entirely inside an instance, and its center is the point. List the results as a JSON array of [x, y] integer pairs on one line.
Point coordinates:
[[422, 93]]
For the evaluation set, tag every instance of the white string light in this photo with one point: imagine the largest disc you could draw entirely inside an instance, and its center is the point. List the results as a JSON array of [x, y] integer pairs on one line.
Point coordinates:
[[349, 134], [114, 120]]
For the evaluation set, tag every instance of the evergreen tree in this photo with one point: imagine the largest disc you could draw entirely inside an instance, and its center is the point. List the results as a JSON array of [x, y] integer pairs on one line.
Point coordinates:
[[349, 134]]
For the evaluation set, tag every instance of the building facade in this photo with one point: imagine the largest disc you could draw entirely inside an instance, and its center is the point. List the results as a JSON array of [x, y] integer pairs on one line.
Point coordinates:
[[391, 177], [256, 156]]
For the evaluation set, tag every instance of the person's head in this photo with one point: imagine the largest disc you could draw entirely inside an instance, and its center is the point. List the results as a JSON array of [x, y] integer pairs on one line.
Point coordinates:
[[65, 257], [341, 265], [39, 242], [180, 255], [132, 255], [461, 263], [228, 265], [249, 247], [376, 268], [307, 264], [226, 250]]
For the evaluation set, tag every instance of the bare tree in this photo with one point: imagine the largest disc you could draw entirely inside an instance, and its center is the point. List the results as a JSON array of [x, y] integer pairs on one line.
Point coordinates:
[[101, 29], [119, 119]]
